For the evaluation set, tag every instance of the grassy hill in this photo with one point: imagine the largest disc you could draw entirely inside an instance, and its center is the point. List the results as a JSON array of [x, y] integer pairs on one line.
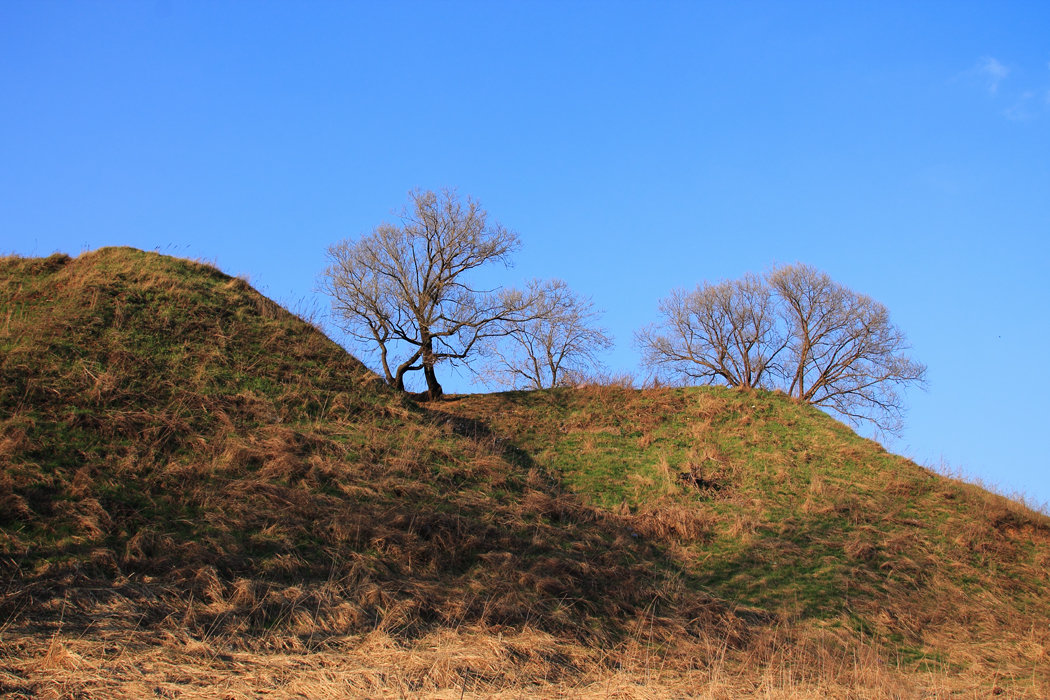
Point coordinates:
[[775, 506], [200, 491]]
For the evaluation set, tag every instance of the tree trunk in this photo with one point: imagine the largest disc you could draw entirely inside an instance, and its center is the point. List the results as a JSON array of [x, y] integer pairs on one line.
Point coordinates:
[[434, 390]]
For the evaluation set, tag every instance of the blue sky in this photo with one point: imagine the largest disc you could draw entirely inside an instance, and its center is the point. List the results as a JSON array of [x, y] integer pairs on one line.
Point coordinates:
[[904, 148]]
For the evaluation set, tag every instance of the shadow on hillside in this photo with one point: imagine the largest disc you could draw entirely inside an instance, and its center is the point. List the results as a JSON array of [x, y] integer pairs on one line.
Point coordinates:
[[495, 541], [479, 431], [800, 571], [566, 507]]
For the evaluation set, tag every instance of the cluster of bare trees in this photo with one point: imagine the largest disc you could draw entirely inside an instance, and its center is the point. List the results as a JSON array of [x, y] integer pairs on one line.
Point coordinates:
[[406, 293], [794, 329]]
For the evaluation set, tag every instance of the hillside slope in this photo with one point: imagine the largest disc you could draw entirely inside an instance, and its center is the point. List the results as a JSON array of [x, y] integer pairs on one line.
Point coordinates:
[[183, 458], [772, 504], [199, 482]]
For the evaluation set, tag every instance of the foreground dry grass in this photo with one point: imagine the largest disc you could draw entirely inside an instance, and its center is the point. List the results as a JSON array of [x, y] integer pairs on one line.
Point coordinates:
[[478, 663]]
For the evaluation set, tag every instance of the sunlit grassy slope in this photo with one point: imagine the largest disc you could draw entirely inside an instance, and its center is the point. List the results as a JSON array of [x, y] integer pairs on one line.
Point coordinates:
[[771, 504], [193, 478]]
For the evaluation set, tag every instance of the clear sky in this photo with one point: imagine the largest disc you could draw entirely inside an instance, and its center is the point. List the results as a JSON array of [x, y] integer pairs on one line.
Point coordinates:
[[902, 147]]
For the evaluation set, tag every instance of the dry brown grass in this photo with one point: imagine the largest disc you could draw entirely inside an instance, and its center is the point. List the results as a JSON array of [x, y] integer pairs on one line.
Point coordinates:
[[671, 521], [478, 662]]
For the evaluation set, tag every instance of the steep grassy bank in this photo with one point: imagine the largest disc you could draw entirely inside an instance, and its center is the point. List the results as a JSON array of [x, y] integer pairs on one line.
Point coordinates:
[[200, 491], [774, 506]]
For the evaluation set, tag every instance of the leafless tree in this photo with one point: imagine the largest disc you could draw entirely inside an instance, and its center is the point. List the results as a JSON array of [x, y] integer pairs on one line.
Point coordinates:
[[563, 340], [844, 353], [796, 330], [725, 332], [404, 290]]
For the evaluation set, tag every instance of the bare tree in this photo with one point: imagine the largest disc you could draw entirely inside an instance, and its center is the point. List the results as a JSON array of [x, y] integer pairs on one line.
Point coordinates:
[[404, 290], [543, 352], [845, 353], [725, 332], [795, 330]]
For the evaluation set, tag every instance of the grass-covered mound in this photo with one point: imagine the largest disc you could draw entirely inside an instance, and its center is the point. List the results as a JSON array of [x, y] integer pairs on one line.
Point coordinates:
[[199, 490], [773, 505], [182, 452]]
